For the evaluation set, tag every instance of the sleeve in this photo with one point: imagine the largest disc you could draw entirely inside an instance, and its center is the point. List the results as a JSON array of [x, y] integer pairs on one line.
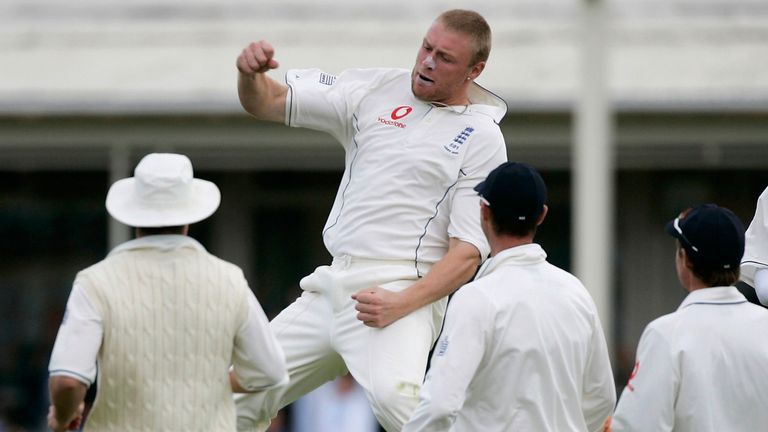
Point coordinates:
[[487, 151], [324, 102], [756, 242], [455, 361], [648, 400], [78, 340], [258, 360], [599, 397]]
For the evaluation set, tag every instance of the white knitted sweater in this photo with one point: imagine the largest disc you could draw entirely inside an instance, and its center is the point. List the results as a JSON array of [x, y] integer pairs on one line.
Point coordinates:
[[170, 320]]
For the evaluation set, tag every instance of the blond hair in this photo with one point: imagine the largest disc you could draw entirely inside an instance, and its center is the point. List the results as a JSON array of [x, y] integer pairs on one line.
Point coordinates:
[[471, 24]]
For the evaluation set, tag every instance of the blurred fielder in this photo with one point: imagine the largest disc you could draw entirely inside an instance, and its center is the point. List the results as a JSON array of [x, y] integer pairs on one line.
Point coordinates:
[[704, 367], [161, 318], [403, 230], [522, 348]]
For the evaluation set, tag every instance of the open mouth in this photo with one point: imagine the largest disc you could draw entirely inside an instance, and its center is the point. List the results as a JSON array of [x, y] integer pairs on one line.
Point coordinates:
[[426, 79]]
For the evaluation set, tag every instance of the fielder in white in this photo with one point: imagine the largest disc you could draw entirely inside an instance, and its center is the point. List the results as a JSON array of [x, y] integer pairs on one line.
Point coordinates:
[[704, 367], [161, 318], [403, 230], [754, 264], [522, 348]]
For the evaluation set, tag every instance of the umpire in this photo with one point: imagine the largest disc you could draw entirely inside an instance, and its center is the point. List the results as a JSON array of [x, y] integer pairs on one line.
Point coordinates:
[[161, 318]]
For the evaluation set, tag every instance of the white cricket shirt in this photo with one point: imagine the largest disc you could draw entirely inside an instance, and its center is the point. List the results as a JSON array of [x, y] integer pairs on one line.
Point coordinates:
[[703, 368], [522, 350], [257, 356], [410, 166]]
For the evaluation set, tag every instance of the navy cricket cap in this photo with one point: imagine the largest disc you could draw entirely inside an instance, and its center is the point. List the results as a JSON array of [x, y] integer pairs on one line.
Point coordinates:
[[713, 236], [514, 191]]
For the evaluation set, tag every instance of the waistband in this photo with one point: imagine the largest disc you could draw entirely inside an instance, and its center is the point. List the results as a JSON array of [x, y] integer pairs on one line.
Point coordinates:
[[344, 262]]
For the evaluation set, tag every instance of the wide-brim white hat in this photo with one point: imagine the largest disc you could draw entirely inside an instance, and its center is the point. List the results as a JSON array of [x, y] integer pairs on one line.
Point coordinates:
[[162, 193]]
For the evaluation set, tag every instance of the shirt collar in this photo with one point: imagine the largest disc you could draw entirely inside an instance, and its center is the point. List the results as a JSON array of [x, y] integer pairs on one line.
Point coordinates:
[[486, 102], [162, 242], [519, 255], [715, 295], [482, 101]]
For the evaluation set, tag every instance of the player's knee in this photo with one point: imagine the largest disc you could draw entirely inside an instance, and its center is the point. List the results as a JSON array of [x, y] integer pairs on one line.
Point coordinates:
[[245, 424], [253, 412], [396, 400]]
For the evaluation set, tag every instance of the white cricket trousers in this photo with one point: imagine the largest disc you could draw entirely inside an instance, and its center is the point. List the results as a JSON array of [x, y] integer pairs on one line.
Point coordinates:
[[323, 339]]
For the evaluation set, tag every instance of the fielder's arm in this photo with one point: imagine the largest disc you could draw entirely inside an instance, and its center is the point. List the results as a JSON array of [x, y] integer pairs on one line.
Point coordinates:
[[67, 406], [378, 307], [260, 95]]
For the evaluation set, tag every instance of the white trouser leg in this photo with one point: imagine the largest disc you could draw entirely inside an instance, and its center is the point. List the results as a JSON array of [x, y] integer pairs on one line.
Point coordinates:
[[389, 363], [321, 328]]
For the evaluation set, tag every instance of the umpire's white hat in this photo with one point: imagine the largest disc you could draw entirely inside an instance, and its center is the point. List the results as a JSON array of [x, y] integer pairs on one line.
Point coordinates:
[[162, 193]]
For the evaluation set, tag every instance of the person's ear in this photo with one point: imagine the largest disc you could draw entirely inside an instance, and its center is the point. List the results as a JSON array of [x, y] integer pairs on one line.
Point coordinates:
[[684, 256], [475, 70], [543, 215], [485, 212]]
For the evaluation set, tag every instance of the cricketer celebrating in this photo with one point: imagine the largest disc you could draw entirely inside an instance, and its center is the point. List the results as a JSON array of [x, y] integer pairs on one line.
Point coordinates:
[[404, 230]]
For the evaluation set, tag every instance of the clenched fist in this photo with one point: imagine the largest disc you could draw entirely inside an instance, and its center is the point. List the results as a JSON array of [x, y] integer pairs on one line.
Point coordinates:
[[257, 57]]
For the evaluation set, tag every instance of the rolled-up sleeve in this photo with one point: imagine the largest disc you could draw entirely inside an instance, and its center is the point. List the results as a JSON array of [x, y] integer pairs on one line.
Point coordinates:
[[78, 340]]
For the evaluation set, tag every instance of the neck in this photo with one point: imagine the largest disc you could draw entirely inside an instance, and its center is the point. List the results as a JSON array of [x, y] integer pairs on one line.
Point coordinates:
[[501, 243], [694, 287], [692, 283], [458, 99], [175, 230], [457, 102]]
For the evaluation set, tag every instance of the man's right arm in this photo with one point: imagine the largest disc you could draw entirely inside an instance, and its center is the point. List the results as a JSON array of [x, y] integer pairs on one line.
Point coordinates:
[[260, 95], [66, 410], [458, 353], [599, 392]]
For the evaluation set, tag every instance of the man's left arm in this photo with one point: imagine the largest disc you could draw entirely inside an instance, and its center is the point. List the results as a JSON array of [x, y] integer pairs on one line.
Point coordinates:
[[379, 307], [258, 360], [648, 400]]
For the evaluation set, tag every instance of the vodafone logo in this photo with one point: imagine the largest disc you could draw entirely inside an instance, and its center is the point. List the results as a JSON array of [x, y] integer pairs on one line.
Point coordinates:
[[401, 112], [397, 114]]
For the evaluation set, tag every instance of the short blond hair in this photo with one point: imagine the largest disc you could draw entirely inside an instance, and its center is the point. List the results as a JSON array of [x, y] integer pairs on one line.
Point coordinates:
[[471, 24]]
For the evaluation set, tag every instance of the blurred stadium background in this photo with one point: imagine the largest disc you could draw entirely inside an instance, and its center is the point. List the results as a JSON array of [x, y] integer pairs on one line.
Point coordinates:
[[87, 88]]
